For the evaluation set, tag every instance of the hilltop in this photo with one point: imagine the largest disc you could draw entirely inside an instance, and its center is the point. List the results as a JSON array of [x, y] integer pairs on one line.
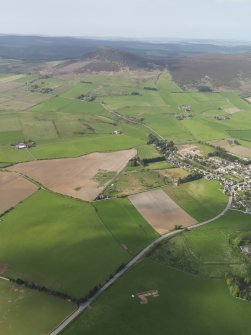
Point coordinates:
[[106, 59]]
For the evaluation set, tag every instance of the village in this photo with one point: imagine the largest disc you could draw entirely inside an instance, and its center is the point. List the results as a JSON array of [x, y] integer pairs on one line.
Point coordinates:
[[234, 177]]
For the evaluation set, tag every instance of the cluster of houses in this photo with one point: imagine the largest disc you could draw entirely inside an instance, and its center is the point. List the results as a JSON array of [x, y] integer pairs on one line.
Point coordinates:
[[234, 177]]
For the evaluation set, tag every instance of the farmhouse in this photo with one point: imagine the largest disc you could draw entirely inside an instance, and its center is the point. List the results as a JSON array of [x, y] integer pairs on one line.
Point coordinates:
[[117, 132], [21, 146]]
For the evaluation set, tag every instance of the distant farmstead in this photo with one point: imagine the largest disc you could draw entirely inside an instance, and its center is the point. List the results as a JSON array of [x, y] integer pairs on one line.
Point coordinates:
[[185, 108], [21, 146], [24, 145]]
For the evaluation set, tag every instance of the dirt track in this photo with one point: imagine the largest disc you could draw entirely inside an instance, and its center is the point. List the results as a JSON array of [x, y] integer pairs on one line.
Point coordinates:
[[161, 211], [13, 189], [75, 176]]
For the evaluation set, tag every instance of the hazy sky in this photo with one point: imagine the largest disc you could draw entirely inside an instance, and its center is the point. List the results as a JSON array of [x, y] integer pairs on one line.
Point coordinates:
[[223, 19]]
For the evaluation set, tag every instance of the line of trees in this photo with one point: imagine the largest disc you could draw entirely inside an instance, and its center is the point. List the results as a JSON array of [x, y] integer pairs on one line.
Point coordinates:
[[165, 147], [190, 177], [62, 295], [146, 161]]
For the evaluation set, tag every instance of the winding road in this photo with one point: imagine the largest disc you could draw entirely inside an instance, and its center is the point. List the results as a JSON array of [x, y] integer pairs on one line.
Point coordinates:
[[85, 305]]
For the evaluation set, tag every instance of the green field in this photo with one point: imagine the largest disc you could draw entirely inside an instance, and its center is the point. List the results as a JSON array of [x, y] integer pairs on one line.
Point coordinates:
[[147, 151], [64, 126], [125, 224], [48, 239], [202, 199], [244, 135], [71, 147], [24, 311], [159, 165], [207, 250], [187, 305]]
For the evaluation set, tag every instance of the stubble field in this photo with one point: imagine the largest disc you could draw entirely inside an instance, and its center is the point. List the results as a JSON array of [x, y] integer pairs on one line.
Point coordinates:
[[75, 176], [161, 211]]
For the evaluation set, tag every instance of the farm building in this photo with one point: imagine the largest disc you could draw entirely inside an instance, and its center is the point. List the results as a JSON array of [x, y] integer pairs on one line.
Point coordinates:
[[117, 132], [21, 146]]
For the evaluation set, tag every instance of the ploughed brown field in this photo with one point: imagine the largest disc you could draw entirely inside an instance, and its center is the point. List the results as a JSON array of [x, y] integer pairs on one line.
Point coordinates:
[[161, 211], [76, 176], [13, 189]]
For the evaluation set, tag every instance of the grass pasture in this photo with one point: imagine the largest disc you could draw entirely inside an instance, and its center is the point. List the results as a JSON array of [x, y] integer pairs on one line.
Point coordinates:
[[244, 135], [126, 225], [202, 199], [68, 245], [48, 239], [187, 305], [207, 250], [61, 125], [147, 151], [24, 311]]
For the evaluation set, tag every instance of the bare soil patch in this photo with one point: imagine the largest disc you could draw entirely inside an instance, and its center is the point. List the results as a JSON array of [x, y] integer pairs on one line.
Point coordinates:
[[232, 110], [76, 176], [189, 149], [235, 149], [161, 211], [143, 296], [13, 189]]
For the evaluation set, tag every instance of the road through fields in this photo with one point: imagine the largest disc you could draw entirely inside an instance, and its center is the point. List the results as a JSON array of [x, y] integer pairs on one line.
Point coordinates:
[[85, 305]]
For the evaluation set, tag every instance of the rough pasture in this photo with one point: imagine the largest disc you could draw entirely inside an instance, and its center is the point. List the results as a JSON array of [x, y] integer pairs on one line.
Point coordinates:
[[161, 211], [15, 189], [75, 176]]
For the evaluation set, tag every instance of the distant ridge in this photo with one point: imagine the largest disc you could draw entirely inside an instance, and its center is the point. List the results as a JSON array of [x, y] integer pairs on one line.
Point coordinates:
[[37, 48]]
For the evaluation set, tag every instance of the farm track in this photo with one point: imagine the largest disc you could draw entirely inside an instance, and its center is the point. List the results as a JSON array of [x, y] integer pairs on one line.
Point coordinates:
[[129, 265]]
